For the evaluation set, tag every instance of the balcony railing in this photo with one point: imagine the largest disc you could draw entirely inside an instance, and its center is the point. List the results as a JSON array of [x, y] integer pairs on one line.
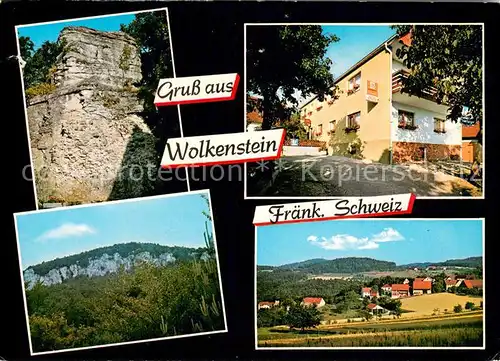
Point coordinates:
[[398, 79]]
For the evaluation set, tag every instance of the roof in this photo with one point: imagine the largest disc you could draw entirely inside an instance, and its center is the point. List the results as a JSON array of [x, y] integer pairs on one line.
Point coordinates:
[[313, 299], [366, 289], [374, 292], [386, 286], [471, 131], [400, 287], [371, 306], [450, 282], [365, 59], [473, 283], [266, 303], [422, 285]]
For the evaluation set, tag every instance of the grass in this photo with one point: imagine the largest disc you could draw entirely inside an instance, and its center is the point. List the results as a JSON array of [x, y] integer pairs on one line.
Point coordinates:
[[450, 337], [457, 331]]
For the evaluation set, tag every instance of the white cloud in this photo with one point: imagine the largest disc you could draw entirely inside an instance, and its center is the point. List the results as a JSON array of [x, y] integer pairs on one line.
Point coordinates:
[[347, 242], [67, 230]]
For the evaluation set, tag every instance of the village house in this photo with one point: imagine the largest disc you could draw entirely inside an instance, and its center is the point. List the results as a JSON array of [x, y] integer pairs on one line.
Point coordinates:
[[450, 283], [267, 305], [376, 309], [424, 279], [365, 292], [313, 301], [386, 288], [471, 148], [421, 287], [469, 284], [371, 118], [400, 290], [406, 281]]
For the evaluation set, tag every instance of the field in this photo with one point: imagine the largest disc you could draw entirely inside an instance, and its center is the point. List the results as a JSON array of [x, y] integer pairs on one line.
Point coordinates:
[[465, 329], [425, 305]]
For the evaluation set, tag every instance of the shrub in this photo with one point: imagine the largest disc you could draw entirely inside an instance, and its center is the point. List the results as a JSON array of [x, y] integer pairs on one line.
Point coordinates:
[[40, 89], [457, 308]]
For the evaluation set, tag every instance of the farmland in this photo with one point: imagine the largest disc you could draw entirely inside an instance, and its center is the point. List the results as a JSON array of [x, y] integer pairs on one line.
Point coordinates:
[[344, 315], [441, 331]]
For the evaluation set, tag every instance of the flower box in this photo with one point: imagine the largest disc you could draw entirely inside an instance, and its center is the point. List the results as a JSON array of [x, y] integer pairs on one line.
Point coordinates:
[[330, 132], [439, 131], [352, 128], [407, 126]]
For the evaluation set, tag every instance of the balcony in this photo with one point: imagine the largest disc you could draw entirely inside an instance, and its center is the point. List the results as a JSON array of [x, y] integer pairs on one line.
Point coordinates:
[[397, 84], [427, 101]]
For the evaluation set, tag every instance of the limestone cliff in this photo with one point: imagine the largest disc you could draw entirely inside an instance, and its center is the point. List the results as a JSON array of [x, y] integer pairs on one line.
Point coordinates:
[[88, 140]]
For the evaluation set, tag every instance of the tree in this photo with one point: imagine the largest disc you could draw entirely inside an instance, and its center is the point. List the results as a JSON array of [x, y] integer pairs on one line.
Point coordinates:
[[27, 47], [150, 30], [448, 58], [364, 314], [457, 308], [469, 305], [302, 317], [39, 62], [285, 59], [294, 127]]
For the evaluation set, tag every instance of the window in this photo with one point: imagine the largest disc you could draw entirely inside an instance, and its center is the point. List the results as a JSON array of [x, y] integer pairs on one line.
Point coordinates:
[[439, 125], [353, 121], [331, 125], [354, 84], [320, 129], [406, 120]]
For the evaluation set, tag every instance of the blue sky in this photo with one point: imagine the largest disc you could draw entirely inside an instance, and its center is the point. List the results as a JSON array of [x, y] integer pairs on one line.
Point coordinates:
[[400, 241], [41, 33], [47, 235], [356, 41]]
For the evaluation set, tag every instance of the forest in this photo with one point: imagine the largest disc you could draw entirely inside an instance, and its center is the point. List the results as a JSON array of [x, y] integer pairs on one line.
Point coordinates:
[[124, 250], [146, 302]]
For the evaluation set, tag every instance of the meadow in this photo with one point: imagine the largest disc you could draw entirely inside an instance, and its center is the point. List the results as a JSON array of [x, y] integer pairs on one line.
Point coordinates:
[[462, 330]]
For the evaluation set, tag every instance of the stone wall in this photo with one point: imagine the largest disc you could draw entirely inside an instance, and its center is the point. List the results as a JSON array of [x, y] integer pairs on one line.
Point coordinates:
[[88, 134], [403, 152]]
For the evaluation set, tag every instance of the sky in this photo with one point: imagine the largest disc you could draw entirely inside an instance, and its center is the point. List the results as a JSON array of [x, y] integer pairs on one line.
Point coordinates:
[[41, 33], [356, 41], [50, 234], [400, 241]]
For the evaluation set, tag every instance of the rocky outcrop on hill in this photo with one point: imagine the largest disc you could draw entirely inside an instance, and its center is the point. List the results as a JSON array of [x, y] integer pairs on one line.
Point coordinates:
[[89, 141]]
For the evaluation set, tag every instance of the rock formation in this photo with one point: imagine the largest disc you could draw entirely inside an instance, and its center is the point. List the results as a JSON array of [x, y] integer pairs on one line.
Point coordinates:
[[88, 140]]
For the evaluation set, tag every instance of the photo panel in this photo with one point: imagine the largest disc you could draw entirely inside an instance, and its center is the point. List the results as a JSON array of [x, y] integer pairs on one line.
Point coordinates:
[[95, 134], [120, 272], [381, 283], [377, 113]]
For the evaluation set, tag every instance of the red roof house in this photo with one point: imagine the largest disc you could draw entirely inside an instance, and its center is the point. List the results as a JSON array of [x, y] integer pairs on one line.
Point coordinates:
[[421, 287], [400, 290], [473, 283], [313, 301]]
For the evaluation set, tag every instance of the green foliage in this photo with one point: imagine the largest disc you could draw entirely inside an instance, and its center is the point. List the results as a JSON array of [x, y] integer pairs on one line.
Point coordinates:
[[364, 314], [125, 58], [269, 317], [448, 58], [469, 305], [151, 34], [294, 127], [151, 302], [457, 308], [302, 317], [287, 59], [123, 249], [342, 265], [40, 89], [39, 62]]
